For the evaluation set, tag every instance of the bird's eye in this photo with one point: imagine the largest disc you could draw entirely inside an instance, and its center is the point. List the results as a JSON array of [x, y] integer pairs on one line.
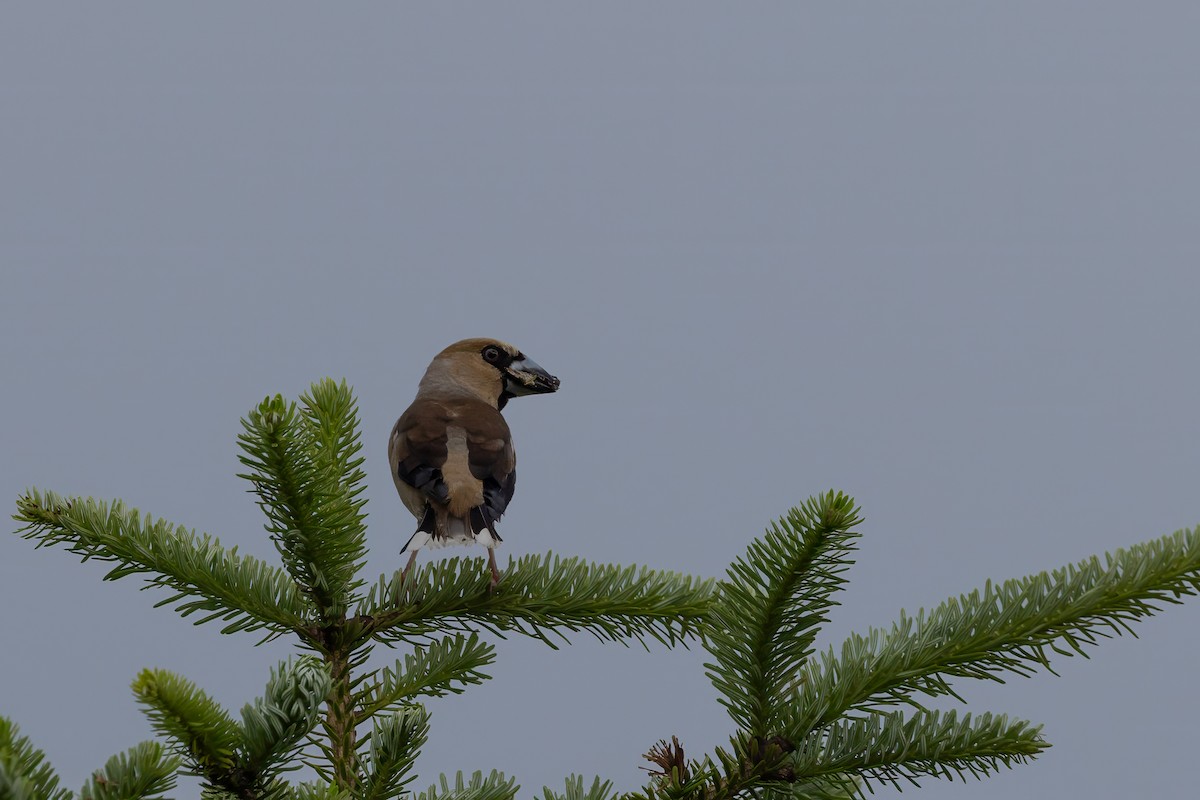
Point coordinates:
[[491, 354]]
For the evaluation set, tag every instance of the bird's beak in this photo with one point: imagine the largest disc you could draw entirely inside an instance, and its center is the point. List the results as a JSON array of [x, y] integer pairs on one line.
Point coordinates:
[[524, 376]]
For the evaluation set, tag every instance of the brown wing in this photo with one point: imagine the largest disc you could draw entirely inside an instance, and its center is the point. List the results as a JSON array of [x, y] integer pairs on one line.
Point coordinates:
[[417, 449]]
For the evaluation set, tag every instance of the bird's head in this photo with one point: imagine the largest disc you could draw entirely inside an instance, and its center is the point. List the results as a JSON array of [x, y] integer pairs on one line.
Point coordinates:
[[492, 370]]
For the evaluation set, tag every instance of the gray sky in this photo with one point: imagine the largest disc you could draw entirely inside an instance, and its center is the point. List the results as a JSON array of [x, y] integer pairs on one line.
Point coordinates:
[[940, 256]]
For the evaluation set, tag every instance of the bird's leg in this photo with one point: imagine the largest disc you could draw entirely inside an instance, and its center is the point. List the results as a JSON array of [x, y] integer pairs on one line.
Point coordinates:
[[492, 564], [411, 559]]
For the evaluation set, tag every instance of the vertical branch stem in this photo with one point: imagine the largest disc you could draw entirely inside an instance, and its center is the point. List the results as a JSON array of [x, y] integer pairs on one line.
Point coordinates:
[[339, 721]]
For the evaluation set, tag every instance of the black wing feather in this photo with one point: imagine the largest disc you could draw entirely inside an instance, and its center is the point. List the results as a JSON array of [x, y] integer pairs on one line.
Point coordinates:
[[424, 478]]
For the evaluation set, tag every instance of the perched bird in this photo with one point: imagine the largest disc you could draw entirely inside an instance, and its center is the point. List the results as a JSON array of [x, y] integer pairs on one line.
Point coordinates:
[[451, 452]]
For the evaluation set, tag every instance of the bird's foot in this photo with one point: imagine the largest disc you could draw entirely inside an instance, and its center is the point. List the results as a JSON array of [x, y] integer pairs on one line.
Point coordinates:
[[495, 571], [408, 567]]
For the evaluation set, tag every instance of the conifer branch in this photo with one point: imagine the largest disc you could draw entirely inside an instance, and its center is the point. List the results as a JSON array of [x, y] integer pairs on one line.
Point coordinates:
[[241, 761], [274, 726], [307, 473], [575, 790], [539, 596], [445, 666], [204, 577], [773, 604], [143, 772], [1011, 627], [395, 742], [750, 766], [317, 791], [203, 732], [493, 786], [24, 772], [888, 748], [843, 759], [835, 787]]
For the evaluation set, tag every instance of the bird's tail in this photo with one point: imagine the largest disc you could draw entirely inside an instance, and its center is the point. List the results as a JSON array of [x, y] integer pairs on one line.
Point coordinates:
[[440, 530], [483, 527]]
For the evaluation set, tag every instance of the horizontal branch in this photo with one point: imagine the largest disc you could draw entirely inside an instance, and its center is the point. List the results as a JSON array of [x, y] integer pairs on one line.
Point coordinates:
[[246, 593], [891, 748], [539, 596], [1011, 627], [445, 666]]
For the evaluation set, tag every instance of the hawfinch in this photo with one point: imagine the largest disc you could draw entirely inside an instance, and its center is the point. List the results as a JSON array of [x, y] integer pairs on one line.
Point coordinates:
[[451, 452]]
